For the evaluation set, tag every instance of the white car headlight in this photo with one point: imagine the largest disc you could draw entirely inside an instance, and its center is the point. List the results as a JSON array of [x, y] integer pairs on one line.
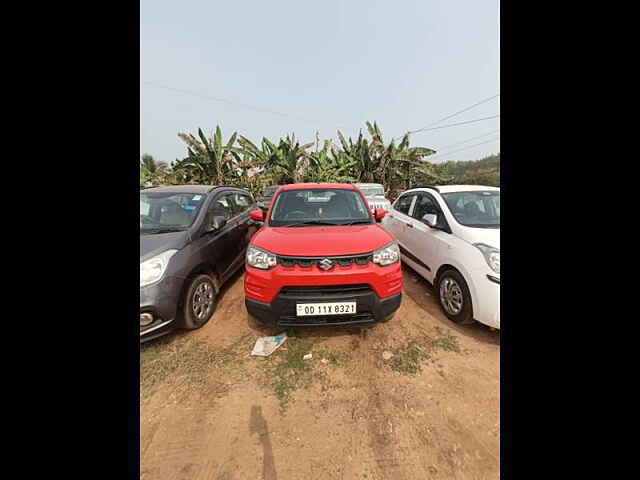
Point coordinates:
[[261, 259], [491, 255], [387, 255], [153, 269]]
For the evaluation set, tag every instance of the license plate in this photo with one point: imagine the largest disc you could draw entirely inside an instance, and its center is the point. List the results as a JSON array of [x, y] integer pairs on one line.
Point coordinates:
[[334, 308]]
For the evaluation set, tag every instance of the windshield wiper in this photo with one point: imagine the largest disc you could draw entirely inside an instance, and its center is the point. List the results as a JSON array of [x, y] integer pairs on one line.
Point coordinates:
[[162, 230], [310, 222], [355, 222]]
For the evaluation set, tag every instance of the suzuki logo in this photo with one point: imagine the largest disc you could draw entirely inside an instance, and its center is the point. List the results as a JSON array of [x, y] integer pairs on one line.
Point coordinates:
[[325, 264]]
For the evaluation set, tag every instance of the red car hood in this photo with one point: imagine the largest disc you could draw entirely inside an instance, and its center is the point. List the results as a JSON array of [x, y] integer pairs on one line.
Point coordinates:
[[321, 240]]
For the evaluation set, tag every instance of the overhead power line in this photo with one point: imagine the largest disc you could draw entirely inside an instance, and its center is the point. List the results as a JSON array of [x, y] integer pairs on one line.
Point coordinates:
[[458, 112], [455, 124], [461, 149], [452, 115], [469, 139], [234, 103]]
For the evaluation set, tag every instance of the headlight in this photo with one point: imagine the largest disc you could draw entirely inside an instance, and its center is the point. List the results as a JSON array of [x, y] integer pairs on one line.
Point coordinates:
[[387, 255], [491, 255], [152, 270], [261, 259]]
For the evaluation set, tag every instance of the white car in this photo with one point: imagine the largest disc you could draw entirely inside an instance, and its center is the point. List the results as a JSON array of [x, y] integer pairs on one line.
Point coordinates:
[[374, 193], [450, 235]]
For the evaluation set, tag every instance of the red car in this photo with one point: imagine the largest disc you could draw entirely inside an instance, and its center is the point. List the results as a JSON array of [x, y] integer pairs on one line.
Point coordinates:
[[321, 259]]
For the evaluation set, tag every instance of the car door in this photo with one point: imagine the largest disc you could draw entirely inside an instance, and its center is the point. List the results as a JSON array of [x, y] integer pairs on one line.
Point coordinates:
[[220, 248], [243, 203], [425, 243], [398, 218]]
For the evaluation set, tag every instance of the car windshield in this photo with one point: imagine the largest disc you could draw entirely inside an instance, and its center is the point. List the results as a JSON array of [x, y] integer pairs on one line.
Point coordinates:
[[475, 209], [319, 207], [372, 191], [164, 212]]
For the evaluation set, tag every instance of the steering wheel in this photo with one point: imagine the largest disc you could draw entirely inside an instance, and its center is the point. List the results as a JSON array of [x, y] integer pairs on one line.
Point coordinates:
[[295, 213]]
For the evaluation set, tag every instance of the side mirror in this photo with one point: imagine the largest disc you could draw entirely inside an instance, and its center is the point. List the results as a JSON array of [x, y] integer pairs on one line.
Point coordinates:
[[256, 215], [431, 219], [379, 214], [217, 223]]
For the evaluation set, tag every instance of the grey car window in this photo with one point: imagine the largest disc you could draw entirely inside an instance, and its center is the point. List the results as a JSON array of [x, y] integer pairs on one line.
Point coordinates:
[[403, 203], [222, 206]]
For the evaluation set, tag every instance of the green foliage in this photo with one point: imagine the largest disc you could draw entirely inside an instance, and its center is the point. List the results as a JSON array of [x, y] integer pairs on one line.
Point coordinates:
[[240, 162], [485, 171], [243, 163]]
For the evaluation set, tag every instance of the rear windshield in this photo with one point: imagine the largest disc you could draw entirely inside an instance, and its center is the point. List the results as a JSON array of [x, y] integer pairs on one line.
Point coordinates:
[[372, 190], [319, 207]]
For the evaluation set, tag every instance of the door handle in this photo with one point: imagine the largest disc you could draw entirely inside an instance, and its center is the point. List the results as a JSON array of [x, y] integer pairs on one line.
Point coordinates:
[[409, 225]]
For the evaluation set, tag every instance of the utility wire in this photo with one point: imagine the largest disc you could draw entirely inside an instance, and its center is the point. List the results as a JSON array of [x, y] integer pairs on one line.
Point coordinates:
[[469, 139], [457, 113], [455, 124], [451, 116], [465, 148], [237, 104]]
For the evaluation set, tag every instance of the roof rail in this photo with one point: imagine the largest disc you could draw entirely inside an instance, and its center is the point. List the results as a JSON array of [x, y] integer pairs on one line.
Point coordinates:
[[428, 186]]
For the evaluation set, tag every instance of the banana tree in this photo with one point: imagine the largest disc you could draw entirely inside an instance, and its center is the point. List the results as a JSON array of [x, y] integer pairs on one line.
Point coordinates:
[[330, 165], [209, 160]]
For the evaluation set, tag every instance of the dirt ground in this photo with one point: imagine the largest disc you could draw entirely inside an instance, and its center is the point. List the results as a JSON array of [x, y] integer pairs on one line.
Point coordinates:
[[211, 411]]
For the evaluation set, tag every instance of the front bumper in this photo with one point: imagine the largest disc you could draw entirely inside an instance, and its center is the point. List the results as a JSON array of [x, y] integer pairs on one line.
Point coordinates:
[[161, 300], [487, 300], [281, 312]]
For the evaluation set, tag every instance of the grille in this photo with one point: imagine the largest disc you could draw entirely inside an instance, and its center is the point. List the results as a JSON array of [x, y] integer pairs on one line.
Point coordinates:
[[308, 262], [292, 320], [316, 291]]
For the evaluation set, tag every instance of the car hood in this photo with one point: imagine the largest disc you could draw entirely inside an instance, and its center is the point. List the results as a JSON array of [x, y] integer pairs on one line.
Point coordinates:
[[316, 241], [151, 245], [488, 236]]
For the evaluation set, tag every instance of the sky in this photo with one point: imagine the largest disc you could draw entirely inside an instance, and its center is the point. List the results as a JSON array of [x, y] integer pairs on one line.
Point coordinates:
[[271, 68]]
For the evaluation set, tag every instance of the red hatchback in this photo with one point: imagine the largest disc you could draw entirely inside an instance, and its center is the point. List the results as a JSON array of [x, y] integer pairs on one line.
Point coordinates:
[[321, 259]]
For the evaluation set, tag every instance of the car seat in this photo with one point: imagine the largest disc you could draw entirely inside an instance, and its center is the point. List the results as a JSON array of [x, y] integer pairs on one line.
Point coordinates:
[[471, 209], [337, 207], [174, 214]]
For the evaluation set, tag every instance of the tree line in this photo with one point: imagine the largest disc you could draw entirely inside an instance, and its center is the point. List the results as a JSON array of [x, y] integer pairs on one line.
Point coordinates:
[[240, 162]]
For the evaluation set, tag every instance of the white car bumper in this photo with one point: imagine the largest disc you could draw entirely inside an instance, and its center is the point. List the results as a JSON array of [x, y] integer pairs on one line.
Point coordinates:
[[487, 300]]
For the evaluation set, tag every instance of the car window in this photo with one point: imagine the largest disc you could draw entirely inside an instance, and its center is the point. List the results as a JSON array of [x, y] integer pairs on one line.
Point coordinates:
[[144, 208], [403, 203], [168, 209], [222, 206], [475, 209], [424, 204], [241, 203], [314, 206]]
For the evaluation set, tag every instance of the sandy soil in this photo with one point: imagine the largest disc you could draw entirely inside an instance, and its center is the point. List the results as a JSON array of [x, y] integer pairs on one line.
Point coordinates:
[[216, 414]]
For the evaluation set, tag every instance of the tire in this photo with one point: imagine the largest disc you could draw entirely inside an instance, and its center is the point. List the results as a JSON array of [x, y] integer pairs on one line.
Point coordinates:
[[199, 302], [454, 297]]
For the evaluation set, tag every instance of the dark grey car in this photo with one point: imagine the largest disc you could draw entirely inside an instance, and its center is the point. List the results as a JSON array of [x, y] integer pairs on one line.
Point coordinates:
[[192, 239]]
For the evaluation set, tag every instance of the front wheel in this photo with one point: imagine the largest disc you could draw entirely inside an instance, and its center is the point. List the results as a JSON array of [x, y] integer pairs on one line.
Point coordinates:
[[455, 298], [200, 302]]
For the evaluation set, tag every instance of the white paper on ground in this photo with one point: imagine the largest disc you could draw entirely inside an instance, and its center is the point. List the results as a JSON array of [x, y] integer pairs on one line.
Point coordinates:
[[265, 346]]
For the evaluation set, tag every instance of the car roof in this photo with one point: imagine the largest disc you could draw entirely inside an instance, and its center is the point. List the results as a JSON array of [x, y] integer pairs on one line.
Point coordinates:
[[183, 188], [456, 188], [307, 186], [368, 184]]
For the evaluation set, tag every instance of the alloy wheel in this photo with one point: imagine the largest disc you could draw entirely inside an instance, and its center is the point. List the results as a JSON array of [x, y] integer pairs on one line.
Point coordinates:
[[202, 301], [451, 296]]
